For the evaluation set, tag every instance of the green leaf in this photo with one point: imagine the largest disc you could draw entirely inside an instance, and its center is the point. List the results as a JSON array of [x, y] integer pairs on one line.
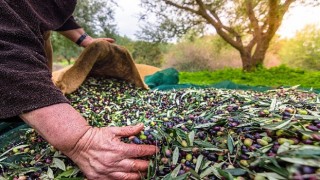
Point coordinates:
[[151, 170], [204, 144], [302, 161], [273, 104], [236, 171], [306, 152], [206, 125], [271, 175], [277, 169], [191, 137], [199, 162], [213, 149], [209, 171], [265, 149], [50, 173], [225, 174], [276, 126], [68, 173], [306, 117], [59, 164], [156, 135], [175, 172], [206, 164], [182, 177], [194, 174], [283, 148], [230, 144], [175, 156], [164, 134]]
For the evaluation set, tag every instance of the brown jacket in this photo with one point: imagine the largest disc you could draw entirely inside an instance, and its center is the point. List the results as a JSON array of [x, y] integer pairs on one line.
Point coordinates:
[[25, 80]]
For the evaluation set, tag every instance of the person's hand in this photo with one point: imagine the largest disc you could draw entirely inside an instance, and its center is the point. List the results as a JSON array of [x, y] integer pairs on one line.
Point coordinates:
[[86, 42], [101, 155], [98, 152]]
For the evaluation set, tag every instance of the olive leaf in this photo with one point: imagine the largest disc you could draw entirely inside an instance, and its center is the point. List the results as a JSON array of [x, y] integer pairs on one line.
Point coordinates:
[[206, 125], [225, 174], [175, 156], [50, 173], [271, 175], [59, 164], [209, 171], [194, 174], [204, 144], [230, 143], [236, 171], [199, 163], [302, 161], [276, 126], [175, 172], [191, 137]]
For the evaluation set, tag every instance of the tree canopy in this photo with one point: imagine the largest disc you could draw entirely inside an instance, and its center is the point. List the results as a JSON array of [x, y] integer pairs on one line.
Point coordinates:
[[96, 17], [247, 25]]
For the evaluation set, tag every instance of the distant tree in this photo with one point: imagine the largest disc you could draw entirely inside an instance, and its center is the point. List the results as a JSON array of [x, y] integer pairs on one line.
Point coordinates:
[[247, 25], [63, 48], [96, 17], [303, 50], [147, 53]]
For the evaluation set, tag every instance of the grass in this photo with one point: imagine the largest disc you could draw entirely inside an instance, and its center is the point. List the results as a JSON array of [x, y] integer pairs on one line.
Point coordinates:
[[273, 77]]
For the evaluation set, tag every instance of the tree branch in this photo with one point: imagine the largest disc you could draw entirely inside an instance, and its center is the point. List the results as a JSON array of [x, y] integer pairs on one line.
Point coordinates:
[[181, 7], [275, 15], [219, 26], [253, 20]]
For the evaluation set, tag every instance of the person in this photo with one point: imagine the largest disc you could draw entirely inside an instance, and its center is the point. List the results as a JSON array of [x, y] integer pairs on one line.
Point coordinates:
[[27, 92]]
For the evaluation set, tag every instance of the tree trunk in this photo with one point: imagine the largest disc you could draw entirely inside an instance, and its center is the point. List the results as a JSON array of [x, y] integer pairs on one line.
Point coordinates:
[[251, 62], [246, 61]]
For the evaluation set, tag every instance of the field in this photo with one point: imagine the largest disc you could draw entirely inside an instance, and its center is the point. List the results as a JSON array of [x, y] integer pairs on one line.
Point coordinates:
[[273, 77]]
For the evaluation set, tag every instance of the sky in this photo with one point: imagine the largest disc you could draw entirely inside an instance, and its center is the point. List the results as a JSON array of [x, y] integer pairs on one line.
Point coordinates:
[[296, 19]]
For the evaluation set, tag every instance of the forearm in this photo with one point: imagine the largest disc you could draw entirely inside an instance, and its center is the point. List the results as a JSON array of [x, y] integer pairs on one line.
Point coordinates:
[[75, 34], [60, 124]]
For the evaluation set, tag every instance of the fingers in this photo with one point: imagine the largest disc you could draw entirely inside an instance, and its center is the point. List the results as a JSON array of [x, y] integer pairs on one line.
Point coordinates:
[[127, 176], [110, 40], [134, 165], [127, 130], [135, 151]]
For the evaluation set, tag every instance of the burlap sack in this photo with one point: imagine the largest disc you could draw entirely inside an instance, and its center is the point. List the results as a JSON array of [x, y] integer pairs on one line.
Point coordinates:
[[102, 59]]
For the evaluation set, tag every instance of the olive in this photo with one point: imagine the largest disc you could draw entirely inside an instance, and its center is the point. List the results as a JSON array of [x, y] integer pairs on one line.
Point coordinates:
[[205, 153], [136, 140], [212, 157], [313, 128], [307, 170]]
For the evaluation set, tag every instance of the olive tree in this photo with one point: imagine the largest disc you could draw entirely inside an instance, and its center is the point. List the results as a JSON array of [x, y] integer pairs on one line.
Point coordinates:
[[303, 50], [247, 25], [96, 17]]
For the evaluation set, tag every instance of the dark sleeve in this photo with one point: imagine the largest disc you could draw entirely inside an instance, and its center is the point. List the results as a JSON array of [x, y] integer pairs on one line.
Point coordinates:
[[26, 85], [69, 25], [25, 79]]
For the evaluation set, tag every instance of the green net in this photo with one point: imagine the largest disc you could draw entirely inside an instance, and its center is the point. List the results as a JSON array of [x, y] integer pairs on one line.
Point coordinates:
[[168, 77], [10, 132]]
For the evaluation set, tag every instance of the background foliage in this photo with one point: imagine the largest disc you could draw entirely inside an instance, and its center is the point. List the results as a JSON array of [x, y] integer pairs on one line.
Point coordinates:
[[302, 51], [193, 52]]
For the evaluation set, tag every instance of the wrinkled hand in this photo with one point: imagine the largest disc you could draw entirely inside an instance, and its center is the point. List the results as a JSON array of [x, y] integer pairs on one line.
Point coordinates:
[[101, 155], [89, 40]]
